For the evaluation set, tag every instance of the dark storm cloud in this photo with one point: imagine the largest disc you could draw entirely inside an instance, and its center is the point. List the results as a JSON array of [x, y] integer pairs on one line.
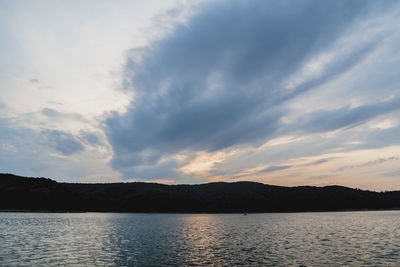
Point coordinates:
[[63, 142], [217, 81]]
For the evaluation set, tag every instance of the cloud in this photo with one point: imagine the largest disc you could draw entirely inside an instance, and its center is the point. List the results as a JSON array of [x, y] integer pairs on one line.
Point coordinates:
[[53, 114], [3, 109], [317, 162], [395, 173], [34, 80], [18, 149], [380, 161], [219, 80], [370, 163], [50, 112], [329, 120], [319, 177], [274, 168], [63, 142], [50, 153], [90, 138]]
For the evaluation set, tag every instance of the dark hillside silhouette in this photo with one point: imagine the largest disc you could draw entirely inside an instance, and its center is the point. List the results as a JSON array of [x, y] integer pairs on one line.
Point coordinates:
[[20, 193]]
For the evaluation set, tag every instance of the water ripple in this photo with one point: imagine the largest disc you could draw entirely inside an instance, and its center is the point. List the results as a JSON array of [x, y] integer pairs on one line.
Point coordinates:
[[285, 239]]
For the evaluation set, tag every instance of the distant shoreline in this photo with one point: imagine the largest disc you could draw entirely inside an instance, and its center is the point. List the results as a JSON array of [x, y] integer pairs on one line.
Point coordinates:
[[194, 213], [23, 194]]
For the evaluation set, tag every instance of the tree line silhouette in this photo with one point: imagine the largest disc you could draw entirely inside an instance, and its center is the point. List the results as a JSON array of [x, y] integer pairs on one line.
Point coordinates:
[[42, 194]]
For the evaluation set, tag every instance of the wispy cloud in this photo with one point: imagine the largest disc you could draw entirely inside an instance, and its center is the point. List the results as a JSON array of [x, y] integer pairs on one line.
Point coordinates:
[[395, 173], [320, 161], [370, 163], [347, 117], [274, 169]]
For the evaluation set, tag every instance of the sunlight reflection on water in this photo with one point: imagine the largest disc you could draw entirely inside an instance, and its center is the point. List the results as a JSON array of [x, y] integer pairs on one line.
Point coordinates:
[[112, 239]]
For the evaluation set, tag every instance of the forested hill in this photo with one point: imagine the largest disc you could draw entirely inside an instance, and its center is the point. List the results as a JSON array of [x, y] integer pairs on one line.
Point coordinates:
[[42, 194]]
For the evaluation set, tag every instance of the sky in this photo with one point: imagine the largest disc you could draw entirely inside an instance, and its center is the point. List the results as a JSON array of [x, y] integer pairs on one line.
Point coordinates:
[[280, 92]]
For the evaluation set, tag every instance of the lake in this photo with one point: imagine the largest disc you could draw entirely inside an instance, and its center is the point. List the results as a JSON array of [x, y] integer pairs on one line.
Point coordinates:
[[370, 238]]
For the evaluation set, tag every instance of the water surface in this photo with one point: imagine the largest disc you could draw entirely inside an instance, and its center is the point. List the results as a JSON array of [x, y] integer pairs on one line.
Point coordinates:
[[110, 239]]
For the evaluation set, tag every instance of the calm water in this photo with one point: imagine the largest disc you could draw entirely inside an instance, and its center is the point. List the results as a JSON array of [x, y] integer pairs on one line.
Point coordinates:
[[97, 239]]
